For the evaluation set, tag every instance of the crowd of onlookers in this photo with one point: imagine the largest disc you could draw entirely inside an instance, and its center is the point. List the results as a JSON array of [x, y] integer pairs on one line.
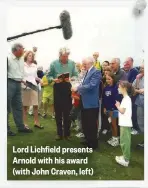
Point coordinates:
[[112, 73], [53, 92]]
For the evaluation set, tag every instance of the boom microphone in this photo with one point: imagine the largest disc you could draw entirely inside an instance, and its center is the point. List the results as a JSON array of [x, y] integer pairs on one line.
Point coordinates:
[[65, 26]]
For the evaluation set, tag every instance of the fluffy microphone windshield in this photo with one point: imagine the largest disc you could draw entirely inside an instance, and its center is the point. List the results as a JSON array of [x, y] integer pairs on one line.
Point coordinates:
[[66, 24]]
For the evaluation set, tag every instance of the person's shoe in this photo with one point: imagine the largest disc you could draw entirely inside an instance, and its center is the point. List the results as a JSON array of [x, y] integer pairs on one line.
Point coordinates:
[[80, 135], [26, 127], [120, 160], [44, 115], [114, 142], [141, 145], [30, 113], [104, 131], [25, 130], [58, 137], [53, 116], [10, 133], [134, 132], [39, 126], [110, 140]]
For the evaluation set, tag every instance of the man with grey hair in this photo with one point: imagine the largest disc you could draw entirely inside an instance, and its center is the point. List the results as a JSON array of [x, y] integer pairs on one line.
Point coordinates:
[[115, 67], [15, 72], [119, 75], [89, 102], [62, 91]]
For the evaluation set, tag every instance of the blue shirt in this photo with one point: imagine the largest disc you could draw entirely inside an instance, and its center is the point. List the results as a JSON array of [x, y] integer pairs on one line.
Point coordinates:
[[132, 75], [110, 95]]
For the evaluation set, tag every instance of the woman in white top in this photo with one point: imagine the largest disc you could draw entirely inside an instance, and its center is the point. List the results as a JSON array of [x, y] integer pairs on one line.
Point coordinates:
[[29, 96], [125, 122]]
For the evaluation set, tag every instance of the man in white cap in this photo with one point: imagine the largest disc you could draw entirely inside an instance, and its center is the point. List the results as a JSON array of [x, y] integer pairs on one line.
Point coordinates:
[[62, 91]]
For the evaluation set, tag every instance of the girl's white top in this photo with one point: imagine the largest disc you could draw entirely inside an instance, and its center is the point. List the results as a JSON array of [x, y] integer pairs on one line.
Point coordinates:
[[126, 118]]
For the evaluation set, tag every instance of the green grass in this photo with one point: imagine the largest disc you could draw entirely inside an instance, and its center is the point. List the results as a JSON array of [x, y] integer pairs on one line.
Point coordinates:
[[103, 162]]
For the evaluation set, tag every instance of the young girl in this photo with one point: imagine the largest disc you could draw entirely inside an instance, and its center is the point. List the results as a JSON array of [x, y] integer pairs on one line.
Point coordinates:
[[47, 99], [125, 122], [110, 95], [76, 112]]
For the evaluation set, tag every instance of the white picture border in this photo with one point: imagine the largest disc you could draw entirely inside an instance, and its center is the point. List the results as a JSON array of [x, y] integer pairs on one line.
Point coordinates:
[[4, 5]]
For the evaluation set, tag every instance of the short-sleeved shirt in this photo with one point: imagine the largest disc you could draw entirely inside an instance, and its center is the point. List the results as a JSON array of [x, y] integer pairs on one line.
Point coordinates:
[[15, 67], [125, 119], [48, 89]]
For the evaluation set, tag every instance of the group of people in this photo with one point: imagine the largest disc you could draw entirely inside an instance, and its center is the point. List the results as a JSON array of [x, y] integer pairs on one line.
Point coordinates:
[[99, 97]]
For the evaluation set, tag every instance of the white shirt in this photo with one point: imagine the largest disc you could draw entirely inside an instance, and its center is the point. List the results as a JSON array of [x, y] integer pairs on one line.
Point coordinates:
[[87, 73], [125, 119], [90, 69], [30, 73], [15, 67]]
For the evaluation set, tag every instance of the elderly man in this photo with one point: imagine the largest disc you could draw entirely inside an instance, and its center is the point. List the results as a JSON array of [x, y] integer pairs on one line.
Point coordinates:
[[96, 61], [62, 91], [115, 67], [131, 72], [89, 92], [15, 63], [119, 75]]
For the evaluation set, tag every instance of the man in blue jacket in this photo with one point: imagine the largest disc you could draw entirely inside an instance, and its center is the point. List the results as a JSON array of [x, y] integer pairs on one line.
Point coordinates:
[[89, 100]]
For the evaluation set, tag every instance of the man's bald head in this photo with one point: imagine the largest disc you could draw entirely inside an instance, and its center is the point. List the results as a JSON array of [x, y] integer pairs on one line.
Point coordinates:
[[128, 64], [95, 55]]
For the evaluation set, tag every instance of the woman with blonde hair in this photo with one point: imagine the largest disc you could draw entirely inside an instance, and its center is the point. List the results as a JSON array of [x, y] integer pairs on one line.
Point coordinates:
[[29, 96]]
